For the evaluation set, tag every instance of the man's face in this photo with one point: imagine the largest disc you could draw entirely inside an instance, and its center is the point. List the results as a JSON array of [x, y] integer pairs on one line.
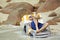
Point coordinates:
[[30, 18]]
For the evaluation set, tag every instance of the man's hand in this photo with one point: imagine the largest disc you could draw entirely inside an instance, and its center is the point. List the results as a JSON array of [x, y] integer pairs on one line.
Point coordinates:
[[37, 31]]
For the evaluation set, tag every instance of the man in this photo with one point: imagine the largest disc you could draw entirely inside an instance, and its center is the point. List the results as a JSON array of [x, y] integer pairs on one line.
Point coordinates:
[[35, 25], [28, 21]]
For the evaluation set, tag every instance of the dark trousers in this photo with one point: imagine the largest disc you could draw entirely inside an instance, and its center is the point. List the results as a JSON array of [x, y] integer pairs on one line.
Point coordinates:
[[25, 28]]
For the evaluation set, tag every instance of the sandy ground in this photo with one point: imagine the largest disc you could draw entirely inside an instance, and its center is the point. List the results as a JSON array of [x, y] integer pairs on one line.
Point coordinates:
[[10, 32]]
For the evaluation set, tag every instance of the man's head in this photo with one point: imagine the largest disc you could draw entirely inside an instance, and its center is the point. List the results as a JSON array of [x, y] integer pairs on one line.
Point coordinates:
[[30, 17]]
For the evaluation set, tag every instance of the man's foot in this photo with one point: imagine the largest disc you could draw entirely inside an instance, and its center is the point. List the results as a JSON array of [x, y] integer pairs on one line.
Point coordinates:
[[30, 34]]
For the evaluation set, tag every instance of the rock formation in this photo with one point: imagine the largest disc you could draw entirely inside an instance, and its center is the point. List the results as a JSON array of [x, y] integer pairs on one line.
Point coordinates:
[[16, 11], [49, 5], [14, 6], [8, 0], [53, 14]]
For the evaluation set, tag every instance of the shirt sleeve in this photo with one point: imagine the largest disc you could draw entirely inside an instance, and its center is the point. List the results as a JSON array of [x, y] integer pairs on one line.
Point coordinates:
[[41, 21]]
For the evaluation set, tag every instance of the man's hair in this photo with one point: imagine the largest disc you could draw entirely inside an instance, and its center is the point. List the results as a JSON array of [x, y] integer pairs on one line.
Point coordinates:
[[30, 16]]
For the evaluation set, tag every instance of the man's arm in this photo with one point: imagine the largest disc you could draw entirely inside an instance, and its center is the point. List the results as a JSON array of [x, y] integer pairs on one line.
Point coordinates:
[[43, 28], [29, 29]]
